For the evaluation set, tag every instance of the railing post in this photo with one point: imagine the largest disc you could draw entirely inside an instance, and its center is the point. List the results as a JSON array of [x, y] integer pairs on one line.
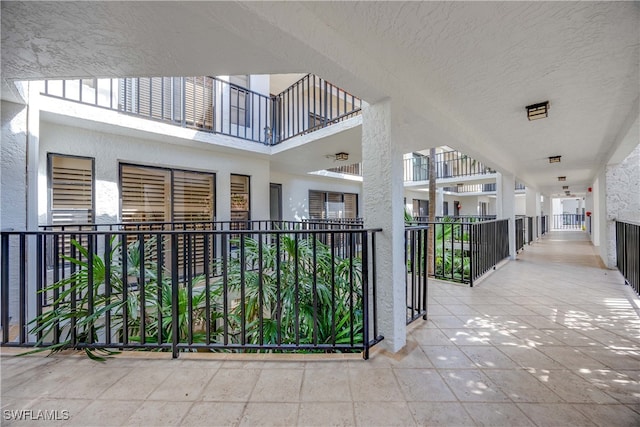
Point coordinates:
[[365, 294], [4, 285], [174, 295]]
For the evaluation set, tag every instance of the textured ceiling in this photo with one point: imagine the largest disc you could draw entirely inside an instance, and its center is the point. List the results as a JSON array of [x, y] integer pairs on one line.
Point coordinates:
[[457, 73]]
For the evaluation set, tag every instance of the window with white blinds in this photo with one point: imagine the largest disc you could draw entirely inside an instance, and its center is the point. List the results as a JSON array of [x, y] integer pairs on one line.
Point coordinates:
[[148, 194], [71, 189], [330, 205], [240, 196]]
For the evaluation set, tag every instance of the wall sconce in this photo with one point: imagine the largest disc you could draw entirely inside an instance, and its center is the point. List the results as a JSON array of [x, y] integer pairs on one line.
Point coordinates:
[[554, 159], [538, 111], [341, 157]]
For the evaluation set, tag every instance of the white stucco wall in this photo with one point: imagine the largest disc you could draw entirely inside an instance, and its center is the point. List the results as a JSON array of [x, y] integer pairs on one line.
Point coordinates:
[[295, 192], [111, 149], [13, 161], [622, 198]]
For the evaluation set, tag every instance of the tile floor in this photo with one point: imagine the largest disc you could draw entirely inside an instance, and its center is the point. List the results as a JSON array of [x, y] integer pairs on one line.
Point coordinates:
[[550, 339]]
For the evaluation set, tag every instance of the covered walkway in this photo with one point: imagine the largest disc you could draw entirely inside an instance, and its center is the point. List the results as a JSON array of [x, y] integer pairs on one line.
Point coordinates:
[[550, 339]]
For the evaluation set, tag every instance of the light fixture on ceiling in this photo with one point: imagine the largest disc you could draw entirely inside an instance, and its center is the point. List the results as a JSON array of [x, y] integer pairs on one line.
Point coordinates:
[[538, 111], [341, 157], [565, 187], [554, 159], [562, 178]]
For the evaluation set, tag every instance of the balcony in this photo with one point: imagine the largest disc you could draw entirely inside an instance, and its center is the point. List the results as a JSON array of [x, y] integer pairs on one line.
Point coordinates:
[[210, 104]]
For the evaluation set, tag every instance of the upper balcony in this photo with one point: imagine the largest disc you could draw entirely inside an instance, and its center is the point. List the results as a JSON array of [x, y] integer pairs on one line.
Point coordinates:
[[215, 105]]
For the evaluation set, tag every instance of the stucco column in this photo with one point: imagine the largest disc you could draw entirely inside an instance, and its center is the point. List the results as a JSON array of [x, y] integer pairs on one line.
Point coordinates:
[[440, 201], [382, 194], [506, 205]]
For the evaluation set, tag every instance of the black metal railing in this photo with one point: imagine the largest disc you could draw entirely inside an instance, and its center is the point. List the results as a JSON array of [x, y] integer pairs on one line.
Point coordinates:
[[457, 218], [449, 164], [464, 251], [214, 105], [544, 224], [309, 104], [530, 229], [416, 262], [568, 221], [354, 169], [178, 290], [628, 253], [520, 234]]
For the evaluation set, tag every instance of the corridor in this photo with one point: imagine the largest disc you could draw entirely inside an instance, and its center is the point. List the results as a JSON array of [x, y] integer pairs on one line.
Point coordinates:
[[552, 338]]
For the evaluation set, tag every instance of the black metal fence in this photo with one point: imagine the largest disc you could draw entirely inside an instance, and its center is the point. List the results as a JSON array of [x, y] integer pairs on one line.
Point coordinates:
[[457, 218], [544, 224], [448, 164], [520, 234], [234, 290], [214, 105], [568, 221], [464, 251], [628, 253], [416, 262]]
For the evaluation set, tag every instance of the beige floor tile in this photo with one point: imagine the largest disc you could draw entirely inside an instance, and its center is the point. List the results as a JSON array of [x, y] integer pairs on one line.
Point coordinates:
[[488, 357], [277, 385], [521, 386], [447, 357], [443, 414], [137, 384], [213, 414], [325, 385], [374, 386], [105, 413], [624, 386], [184, 385], [497, 414], [231, 385], [155, 413], [430, 337], [610, 415], [571, 358], [468, 336], [411, 356], [572, 388], [560, 414], [270, 414], [425, 385], [322, 414], [383, 414], [528, 357], [471, 385], [447, 321]]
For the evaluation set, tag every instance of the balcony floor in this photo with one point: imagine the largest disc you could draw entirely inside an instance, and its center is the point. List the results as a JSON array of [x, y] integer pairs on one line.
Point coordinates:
[[550, 339]]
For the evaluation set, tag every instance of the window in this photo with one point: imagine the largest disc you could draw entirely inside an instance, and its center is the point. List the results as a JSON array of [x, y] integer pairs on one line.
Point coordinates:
[[71, 182], [420, 208], [240, 206], [275, 202], [151, 194], [239, 100], [328, 205]]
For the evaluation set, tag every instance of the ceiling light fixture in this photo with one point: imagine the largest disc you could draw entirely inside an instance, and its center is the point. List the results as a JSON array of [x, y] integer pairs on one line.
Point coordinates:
[[538, 111], [554, 159], [342, 157], [565, 187], [562, 178]]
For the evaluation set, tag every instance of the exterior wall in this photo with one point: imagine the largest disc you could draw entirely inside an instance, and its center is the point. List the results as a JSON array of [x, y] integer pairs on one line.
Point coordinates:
[[295, 192], [521, 204], [419, 195], [13, 161], [111, 149], [622, 198], [13, 185]]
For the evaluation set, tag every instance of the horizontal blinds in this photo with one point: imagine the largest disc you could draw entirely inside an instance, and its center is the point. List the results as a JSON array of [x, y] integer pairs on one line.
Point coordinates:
[[193, 196], [145, 194], [71, 190], [198, 101], [316, 204], [350, 205]]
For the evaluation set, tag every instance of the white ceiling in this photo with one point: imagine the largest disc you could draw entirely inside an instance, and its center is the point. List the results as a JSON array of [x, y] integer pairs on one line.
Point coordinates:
[[457, 73]]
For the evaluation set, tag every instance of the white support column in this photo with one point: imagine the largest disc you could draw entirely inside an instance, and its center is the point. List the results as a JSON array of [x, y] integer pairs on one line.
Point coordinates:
[[440, 201], [383, 192], [505, 207]]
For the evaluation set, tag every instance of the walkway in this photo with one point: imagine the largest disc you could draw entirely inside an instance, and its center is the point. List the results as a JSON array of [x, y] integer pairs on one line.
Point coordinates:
[[550, 339]]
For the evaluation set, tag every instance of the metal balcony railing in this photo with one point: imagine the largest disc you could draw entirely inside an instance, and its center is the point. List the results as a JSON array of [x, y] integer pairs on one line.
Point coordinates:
[[211, 104], [191, 289], [449, 164]]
